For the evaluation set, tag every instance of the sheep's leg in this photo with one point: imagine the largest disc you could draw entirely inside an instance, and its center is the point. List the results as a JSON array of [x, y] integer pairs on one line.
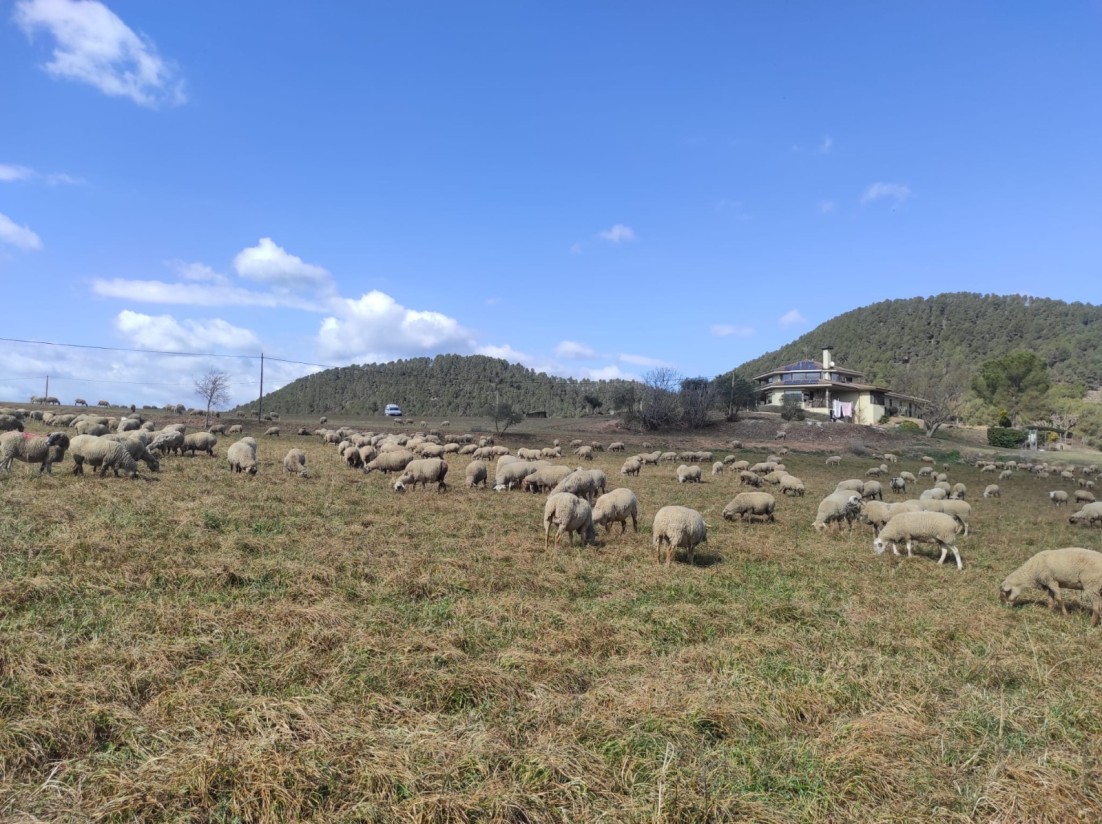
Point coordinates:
[[546, 534], [909, 544], [956, 554], [1055, 597], [634, 525]]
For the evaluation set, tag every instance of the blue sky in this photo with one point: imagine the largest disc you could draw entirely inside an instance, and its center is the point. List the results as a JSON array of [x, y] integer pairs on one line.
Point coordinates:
[[590, 189]]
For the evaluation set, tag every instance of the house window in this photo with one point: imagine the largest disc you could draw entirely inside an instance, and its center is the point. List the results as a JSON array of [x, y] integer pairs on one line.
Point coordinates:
[[878, 398]]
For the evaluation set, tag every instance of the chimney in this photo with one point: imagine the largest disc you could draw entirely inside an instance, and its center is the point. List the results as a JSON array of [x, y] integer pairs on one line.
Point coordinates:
[[827, 362]]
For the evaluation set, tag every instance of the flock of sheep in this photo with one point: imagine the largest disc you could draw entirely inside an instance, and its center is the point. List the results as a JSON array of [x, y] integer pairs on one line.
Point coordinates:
[[578, 499]]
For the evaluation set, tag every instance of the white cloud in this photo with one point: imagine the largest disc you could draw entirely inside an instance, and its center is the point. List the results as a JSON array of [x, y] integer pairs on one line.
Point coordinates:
[[62, 179], [21, 237], [272, 264], [641, 360], [9, 172], [196, 294], [893, 191], [375, 327], [723, 330], [609, 373], [573, 350], [576, 248], [92, 45], [197, 272], [619, 233], [827, 207], [826, 145], [791, 317], [165, 333]]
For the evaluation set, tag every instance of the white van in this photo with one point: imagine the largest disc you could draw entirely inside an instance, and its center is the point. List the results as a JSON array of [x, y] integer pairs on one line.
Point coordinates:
[[393, 410]]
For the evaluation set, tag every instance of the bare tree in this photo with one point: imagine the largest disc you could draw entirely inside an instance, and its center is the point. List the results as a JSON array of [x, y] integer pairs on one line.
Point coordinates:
[[659, 407], [939, 393], [214, 388]]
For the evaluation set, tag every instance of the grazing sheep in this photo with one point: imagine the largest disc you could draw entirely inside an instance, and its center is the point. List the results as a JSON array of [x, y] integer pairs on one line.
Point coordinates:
[[1082, 496], [920, 527], [961, 511], [1006, 473], [528, 454], [80, 402], [992, 491], [44, 450], [295, 462], [871, 490], [1088, 514], [791, 485], [271, 432], [617, 446], [545, 478], [852, 485], [217, 429], [242, 457], [10, 423], [102, 454], [780, 436], [898, 485], [925, 472], [878, 513], [958, 492], [749, 505], [1058, 497], [201, 441], [616, 507], [423, 471], [1071, 568], [166, 442], [585, 483], [890, 458], [510, 475], [678, 527], [392, 460], [874, 472], [570, 514], [688, 474], [748, 478], [235, 429], [631, 466], [934, 493], [584, 452], [476, 474], [834, 460], [717, 468], [138, 450], [836, 507], [908, 477]]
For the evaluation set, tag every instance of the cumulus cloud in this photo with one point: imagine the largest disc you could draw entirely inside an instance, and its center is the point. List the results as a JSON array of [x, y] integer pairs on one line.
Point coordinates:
[[609, 373], [93, 45], [724, 330], [791, 317], [574, 351], [165, 333], [197, 272], [9, 172], [619, 233], [196, 293], [272, 264], [21, 237], [375, 327], [890, 191]]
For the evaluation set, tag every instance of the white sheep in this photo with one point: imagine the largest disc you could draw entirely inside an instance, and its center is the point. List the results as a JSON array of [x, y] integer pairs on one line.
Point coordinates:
[[878, 513], [717, 468], [960, 510], [295, 462], [678, 527], [958, 492], [44, 450], [201, 441], [834, 460], [242, 457], [102, 454], [1058, 497], [791, 485], [570, 514], [1071, 568], [749, 505], [632, 466], [510, 475], [584, 452], [545, 478], [392, 460], [423, 471], [616, 507], [688, 474], [871, 490], [836, 507], [992, 491], [137, 448], [585, 483], [920, 527], [1087, 515], [1083, 496], [934, 493], [271, 432], [476, 474]]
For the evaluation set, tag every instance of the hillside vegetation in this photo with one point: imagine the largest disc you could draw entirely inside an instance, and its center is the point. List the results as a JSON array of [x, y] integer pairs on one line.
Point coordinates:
[[446, 385], [954, 330]]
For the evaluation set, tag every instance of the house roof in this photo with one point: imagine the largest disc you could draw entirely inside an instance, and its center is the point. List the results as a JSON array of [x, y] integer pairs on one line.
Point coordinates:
[[808, 366]]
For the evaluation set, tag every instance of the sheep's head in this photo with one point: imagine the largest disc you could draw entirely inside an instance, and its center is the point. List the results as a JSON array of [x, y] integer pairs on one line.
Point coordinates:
[[1009, 594], [879, 546]]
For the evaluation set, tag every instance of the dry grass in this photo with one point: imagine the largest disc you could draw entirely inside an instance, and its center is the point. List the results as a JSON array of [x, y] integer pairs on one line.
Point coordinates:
[[205, 647]]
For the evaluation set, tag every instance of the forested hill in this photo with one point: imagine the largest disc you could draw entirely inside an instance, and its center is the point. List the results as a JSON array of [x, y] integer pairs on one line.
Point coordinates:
[[446, 385], [960, 329]]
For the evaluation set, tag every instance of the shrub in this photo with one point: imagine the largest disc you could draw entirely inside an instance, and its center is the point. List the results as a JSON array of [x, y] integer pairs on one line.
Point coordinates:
[[1006, 438], [910, 427], [858, 448], [1004, 419], [885, 418], [791, 410]]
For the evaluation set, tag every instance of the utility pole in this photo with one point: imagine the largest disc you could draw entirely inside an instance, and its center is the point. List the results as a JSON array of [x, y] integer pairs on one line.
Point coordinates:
[[260, 400], [47, 386]]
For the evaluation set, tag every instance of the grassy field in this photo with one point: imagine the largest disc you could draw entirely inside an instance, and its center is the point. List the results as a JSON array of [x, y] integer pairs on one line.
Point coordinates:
[[210, 647]]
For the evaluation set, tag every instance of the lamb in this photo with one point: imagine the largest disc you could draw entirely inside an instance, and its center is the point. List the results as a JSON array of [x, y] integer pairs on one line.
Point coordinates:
[[749, 505], [834, 460], [791, 485], [392, 460], [678, 527], [873, 472], [1088, 514], [103, 454], [616, 507], [34, 449], [242, 457], [1071, 568], [476, 474], [631, 466], [838, 505], [920, 527], [295, 462], [991, 491], [423, 471], [688, 474], [1058, 497], [545, 478], [570, 514], [717, 468], [202, 441], [271, 432]]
